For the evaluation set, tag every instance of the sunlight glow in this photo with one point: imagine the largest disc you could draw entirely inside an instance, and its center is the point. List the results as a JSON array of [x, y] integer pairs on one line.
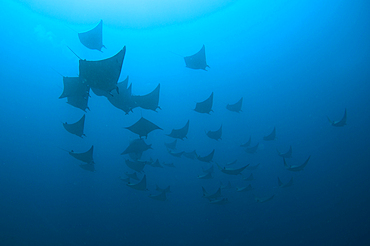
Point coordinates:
[[127, 13]]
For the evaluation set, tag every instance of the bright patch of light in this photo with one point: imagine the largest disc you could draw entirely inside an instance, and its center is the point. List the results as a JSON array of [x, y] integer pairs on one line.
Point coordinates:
[[127, 13]]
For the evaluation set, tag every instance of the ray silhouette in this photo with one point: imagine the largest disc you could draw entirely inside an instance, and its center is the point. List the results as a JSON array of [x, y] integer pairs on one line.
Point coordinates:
[[79, 102], [271, 136], [249, 178], [137, 166], [132, 175], [76, 92], [137, 146], [252, 168], [76, 128], [88, 167], [231, 163], [206, 106], [232, 171], [282, 185], [207, 158], [167, 189], [216, 135], [191, 155], [247, 143], [156, 164], [220, 201], [287, 154], [236, 107], [103, 74], [73, 86], [213, 195], [205, 176], [244, 189], [175, 154], [149, 101], [209, 170], [121, 100], [198, 60], [252, 150], [93, 39], [341, 122], [126, 180], [135, 155], [171, 145], [141, 185], [159, 197], [180, 133], [263, 199], [143, 127], [86, 157], [295, 168]]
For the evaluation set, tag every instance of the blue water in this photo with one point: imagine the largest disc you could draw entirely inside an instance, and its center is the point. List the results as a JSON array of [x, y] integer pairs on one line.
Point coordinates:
[[294, 62]]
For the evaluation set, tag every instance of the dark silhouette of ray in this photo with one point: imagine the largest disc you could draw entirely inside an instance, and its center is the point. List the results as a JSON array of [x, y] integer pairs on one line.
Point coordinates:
[[141, 185], [76, 128], [167, 189], [287, 154], [341, 122], [205, 176], [132, 175], [244, 189], [156, 164], [282, 185], [121, 100], [76, 91], [126, 180], [296, 168], [247, 143], [137, 146], [231, 163], [252, 150], [138, 166], [198, 60], [249, 178], [207, 158], [252, 168], [171, 145], [212, 195], [143, 127], [103, 74], [93, 39], [79, 102], [191, 155], [160, 197], [216, 135], [88, 167], [149, 101], [206, 106], [135, 155], [271, 136], [175, 154], [86, 157], [209, 170], [73, 86], [263, 199], [232, 171], [237, 107], [180, 133]]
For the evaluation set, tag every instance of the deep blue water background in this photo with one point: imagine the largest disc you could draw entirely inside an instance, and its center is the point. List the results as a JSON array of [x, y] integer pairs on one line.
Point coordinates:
[[294, 62]]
